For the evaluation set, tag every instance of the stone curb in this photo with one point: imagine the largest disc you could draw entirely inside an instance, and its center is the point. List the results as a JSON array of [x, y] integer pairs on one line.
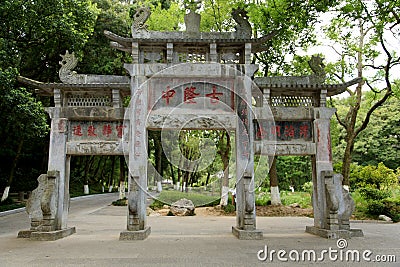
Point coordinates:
[[368, 221]]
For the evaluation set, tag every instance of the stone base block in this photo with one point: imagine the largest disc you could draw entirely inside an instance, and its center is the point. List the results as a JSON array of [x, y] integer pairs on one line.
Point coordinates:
[[135, 235], [330, 234], [247, 234], [52, 235], [25, 233]]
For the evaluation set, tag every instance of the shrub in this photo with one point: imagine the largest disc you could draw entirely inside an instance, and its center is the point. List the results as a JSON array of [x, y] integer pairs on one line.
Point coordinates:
[[392, 208], [229, 208], [307, 187], [120, 202], [374, 194]]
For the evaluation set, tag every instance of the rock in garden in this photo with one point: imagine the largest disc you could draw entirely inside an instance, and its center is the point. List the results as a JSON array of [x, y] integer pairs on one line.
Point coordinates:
[[182, 207], [385, 218]]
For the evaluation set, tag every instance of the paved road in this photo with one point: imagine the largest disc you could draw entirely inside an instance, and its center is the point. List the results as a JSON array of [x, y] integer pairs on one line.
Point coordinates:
[[182, 241]]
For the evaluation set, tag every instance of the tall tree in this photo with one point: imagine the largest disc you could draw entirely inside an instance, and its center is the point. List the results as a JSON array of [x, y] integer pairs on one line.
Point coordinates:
[[22, 120], [363, 33]]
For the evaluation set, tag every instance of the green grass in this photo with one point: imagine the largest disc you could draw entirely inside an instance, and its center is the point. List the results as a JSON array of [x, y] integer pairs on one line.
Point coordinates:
[[10, 204], [263, 198], [199, 200]]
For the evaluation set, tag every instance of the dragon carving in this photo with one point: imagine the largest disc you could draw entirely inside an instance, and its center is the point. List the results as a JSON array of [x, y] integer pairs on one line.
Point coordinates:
[[317, 66], [243, 27], [140, 18], [66, 73]]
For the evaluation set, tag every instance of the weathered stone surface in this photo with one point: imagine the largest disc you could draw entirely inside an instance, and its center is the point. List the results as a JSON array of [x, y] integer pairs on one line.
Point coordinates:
[[52, 235], [182, 207], [33, 204], [135, 235]]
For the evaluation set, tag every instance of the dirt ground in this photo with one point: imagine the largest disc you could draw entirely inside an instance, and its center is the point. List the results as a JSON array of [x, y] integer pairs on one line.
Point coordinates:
[[271, 211]]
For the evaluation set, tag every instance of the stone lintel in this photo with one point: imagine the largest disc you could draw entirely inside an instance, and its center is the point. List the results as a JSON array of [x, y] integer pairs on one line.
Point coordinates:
[[191, 121], [135, 235], [96, 148], [189, 70], [284, 148], [334, 234], [247, 234], [284, 113], [52, 235], [88, 113]]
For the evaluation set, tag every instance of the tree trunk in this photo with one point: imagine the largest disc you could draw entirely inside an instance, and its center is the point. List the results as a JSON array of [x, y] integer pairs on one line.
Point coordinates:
[[121, 177], [224, 152], [12, 171], [273, 180], [172, 173], [111, 177]]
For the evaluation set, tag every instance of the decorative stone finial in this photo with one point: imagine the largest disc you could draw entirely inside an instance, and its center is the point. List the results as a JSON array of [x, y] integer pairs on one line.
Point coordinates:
[[192, 5], [317, 66], [192, 19], [140, 18], [68, 63], [243, 27]]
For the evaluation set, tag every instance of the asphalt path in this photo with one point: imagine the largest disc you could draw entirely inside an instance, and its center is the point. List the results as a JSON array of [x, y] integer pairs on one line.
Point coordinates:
[[187, 241], [11, 222]]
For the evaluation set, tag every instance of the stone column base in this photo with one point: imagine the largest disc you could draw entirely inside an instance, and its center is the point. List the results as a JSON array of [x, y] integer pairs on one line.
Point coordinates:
[[46, 236], [25, 233], [247, 234], [135, 235], [331, 234]]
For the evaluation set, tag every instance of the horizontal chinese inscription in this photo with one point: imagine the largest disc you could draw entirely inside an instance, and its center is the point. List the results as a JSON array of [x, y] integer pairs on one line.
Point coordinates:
[[176, 93], [96, 131], [283, 130]]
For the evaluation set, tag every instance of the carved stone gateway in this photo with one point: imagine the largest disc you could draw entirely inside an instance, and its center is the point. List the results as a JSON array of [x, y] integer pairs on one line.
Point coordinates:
[[188, 80]]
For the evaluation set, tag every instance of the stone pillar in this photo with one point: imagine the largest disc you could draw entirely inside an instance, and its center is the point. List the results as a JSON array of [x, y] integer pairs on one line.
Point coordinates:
[[57, 162], [170, 52], [245, 200], [213, 53], [323, 162], [137, 184]]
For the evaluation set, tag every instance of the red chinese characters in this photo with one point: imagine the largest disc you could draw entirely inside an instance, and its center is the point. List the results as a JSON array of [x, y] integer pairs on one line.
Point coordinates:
[[214, 95], [189, 95], [168, 94], [304, 131], [107, 130], [77, 130], [120, 129], [98, 130], [91, 131]]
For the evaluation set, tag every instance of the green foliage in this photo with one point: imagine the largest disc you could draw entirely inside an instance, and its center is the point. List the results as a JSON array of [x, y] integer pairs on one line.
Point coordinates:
[[374, 194], [293, 171], [157, 204], [10, 204], [98, 56], [34, 33], [199, 200], [392, 208], [376, 177], [307, 187], [120, 202], [229, 208], [24, 126], [263, 198]]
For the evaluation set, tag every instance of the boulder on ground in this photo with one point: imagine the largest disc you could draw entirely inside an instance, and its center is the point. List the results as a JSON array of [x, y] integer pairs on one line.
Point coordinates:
[[182, 207]]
